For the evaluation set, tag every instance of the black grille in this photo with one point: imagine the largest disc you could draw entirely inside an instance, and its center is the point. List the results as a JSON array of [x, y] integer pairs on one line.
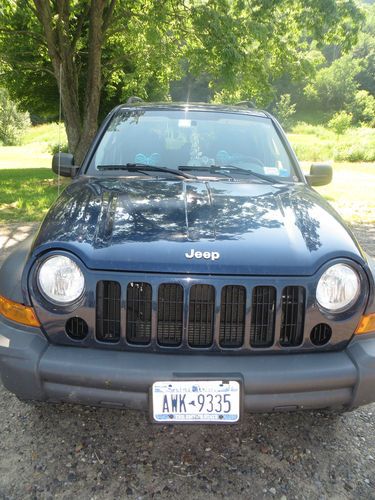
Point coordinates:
[[201, 315], [108, 311], [263, 316], [139, 306], [321, 334], [232, 316], [76, 328], [292, 316], [170, 329], [170, 310]]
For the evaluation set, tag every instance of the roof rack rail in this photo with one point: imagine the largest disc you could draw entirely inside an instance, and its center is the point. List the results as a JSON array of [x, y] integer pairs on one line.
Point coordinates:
[[247, 104], [132, 99]]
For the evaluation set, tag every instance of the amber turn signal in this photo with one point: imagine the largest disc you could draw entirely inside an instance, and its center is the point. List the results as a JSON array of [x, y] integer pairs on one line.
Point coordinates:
[[18, 312], [366, 325]]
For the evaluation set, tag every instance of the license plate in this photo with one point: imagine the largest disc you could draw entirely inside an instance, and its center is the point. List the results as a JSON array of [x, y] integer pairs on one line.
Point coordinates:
[[196, 401]]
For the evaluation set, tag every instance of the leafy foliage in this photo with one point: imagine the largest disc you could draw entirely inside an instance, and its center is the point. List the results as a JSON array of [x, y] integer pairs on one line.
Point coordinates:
[[242, 47], [340, 122], [363, 108], [342, 81], [334, 86], [13, 123], [284, 110], [99, 52]]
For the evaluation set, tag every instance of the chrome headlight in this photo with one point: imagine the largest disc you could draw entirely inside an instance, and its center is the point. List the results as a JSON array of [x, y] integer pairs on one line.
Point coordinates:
[[338, 288], [60, 280]]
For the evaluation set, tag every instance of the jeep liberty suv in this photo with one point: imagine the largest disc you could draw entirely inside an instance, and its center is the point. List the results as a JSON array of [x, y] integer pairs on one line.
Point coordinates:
[[190, 270]]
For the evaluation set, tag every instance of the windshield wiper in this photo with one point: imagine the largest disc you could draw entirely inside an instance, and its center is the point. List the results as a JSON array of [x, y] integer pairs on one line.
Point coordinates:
[[215, 169], [141, 167]]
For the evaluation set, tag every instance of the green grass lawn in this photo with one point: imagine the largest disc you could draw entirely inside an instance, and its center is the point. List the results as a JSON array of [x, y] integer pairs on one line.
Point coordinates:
[[318, 143], [34, 150], [352, 191], [26, 193]]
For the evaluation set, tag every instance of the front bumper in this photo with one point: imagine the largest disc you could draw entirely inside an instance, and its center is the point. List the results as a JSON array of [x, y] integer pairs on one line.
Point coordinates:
[[33, 368]]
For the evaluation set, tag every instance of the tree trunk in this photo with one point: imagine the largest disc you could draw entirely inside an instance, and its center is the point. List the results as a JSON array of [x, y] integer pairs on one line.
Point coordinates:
[[61, 41], [93, 84]]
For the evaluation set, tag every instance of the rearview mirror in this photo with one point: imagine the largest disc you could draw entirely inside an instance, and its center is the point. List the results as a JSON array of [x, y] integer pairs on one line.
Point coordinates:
[[320, 175], [63, 164]]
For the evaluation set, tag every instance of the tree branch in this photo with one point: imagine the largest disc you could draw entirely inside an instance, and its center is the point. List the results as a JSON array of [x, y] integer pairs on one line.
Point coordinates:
[[81, 19], [32, 68], [32, 34], [108, 15]]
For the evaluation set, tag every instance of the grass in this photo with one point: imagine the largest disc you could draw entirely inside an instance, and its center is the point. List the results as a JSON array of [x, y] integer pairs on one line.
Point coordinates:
[[26, 194], [47, 133], [318, 143], [352, 191], [34, 150]]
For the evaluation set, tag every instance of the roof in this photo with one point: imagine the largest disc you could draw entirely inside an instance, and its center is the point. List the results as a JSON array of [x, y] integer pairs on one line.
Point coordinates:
[[196, 106]]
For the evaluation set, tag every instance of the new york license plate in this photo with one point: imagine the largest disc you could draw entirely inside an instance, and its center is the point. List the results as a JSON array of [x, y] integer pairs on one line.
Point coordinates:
[[196, 401]]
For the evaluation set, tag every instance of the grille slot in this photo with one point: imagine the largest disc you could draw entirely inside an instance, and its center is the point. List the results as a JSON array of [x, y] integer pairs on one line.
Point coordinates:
[[139, 306], [292, 316], [201, 315], [232, 316], [170, 314], [321, 334], [108, 311], [263, 316]]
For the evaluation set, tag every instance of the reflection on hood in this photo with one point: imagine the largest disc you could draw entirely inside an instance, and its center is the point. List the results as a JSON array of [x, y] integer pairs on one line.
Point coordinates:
[[139, 223]]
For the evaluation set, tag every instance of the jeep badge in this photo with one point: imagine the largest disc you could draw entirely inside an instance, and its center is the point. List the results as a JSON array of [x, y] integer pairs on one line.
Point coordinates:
[[202, 255]]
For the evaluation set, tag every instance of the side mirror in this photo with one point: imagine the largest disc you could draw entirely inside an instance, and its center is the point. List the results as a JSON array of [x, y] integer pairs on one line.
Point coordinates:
[[63, 164], [320, 175]]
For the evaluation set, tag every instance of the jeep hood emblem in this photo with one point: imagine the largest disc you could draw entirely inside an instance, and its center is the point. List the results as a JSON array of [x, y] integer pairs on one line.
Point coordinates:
[[196, 254]]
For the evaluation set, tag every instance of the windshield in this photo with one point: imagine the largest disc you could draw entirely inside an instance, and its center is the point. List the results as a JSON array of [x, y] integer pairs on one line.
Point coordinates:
[[201, 139]]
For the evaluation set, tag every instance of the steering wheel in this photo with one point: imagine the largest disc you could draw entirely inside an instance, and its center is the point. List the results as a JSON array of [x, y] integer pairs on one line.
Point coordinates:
[[250, 159], [223, 157]]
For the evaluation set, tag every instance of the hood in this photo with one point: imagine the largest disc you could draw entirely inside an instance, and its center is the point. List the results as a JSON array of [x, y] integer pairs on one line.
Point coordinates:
[[215, 227]]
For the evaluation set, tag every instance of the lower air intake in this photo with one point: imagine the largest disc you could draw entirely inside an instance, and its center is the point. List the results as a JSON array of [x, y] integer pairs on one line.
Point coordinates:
[[320, 334], [76, 328]]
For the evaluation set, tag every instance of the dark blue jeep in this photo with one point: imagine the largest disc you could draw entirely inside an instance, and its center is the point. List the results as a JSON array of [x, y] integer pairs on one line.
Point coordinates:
[[190, 269]]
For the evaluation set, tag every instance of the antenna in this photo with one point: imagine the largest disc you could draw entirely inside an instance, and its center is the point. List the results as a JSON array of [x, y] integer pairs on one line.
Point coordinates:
[[60, 115]]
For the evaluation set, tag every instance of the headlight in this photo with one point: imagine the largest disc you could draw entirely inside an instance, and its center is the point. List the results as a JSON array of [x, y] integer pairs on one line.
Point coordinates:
[[338, 287], [60, 280]]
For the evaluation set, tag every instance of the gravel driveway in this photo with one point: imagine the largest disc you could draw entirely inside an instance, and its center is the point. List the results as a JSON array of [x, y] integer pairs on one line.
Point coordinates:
[[66, 452]]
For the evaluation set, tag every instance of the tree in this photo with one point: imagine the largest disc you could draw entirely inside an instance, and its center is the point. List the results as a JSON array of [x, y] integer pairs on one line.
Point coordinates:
[[340, 122], [99, 51], [334, 87], [347, 81], [13, 122], [284, 110], [364, 51]]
